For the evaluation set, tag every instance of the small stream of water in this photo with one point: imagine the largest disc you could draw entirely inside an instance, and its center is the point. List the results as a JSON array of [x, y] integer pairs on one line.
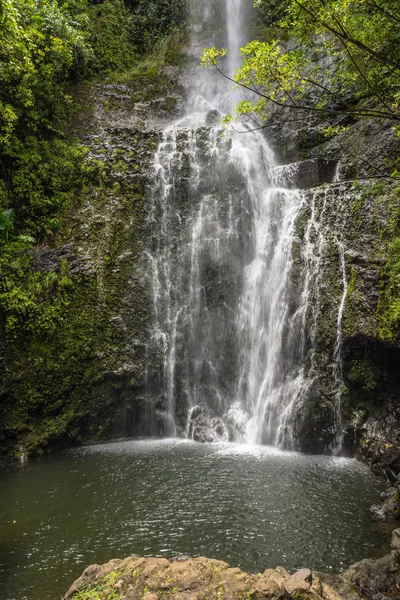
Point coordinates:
[[337, 356]]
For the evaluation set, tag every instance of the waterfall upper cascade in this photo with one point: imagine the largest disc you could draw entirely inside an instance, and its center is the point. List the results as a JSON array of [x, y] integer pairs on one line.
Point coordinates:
[[229, 337]]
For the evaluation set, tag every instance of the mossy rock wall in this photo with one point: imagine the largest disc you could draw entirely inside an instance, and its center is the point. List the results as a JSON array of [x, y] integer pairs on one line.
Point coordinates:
[[81, 376], [352, 229], [79, 371]]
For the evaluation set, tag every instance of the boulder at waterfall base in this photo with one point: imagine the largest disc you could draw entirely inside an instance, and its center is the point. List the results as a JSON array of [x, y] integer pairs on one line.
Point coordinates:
[[183, 578]]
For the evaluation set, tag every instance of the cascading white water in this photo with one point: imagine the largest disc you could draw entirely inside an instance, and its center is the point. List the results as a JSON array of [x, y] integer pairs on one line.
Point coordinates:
[[323, 239], [227, 336], [337, 356], [236, 19], [266, 385]]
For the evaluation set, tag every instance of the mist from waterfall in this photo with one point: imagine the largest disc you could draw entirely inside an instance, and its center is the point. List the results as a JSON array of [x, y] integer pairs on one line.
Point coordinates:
[[229, 332]]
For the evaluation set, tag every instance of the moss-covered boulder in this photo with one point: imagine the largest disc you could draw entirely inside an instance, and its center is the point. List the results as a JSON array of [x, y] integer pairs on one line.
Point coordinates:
[[194, 579], [183, 578]]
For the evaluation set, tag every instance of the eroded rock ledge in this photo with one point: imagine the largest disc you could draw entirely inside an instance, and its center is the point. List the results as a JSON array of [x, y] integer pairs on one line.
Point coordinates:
[[183, 578]]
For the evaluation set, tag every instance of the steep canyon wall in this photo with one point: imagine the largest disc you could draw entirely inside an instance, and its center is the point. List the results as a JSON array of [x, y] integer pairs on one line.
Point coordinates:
[[101, 373]]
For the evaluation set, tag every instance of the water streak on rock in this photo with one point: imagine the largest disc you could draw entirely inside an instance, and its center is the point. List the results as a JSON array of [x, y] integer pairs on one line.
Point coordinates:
[[337, 357]]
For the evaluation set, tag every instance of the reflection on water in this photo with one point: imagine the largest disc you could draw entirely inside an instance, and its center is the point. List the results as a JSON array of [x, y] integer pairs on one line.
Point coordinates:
[[253, 506]]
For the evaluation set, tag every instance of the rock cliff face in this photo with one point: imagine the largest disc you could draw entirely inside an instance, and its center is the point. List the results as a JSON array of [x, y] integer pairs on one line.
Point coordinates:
[[89, 379], [350, 226], [345, 226], [86, 378], [344, 231], [185, 578], [360, 214]]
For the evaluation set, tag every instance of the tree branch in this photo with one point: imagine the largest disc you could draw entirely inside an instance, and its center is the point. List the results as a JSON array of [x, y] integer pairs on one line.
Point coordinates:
[[383, 11], [364, 77], [356, 112], [343, 34]]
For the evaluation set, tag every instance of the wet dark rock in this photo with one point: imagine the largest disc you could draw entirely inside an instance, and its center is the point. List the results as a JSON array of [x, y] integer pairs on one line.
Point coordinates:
[[388, 508], [359, 215], [370, 395], [147, 415], [203, 427], [213, 117], [390, 461], [377, 579], [395, 543], [307, 173], [49, 259]]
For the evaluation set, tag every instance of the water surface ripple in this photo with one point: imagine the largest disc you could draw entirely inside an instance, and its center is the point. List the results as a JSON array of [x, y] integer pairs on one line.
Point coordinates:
[[253, 506]]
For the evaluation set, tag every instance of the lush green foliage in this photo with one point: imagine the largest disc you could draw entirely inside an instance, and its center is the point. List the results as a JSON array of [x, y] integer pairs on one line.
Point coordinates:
[[271, 12], [49, 316], [41, 45], [389, 298], [362, 78], [155, 19], [6, 224], [266, 18], [113, 37], [32, 301], [44, 47]]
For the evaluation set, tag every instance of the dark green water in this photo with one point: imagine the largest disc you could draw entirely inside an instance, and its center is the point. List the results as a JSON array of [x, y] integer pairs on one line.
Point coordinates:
[[254, 507]]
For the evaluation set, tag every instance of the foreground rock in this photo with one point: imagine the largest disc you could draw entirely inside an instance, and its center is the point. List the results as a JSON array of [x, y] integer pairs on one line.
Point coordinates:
[[183, 578]]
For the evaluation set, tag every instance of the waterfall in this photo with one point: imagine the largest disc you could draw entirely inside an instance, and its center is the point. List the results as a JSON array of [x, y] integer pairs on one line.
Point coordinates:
[[265, 381], [322, 249], [229, 348], [236, 19], [337, 357]]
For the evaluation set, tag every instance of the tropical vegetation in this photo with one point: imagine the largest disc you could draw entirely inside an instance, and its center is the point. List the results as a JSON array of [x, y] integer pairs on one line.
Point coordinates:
[[346, 60]]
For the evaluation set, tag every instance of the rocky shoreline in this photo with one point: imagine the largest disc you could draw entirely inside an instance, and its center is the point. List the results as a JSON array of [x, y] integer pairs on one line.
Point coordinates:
[[383, 458], [183, 578]]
